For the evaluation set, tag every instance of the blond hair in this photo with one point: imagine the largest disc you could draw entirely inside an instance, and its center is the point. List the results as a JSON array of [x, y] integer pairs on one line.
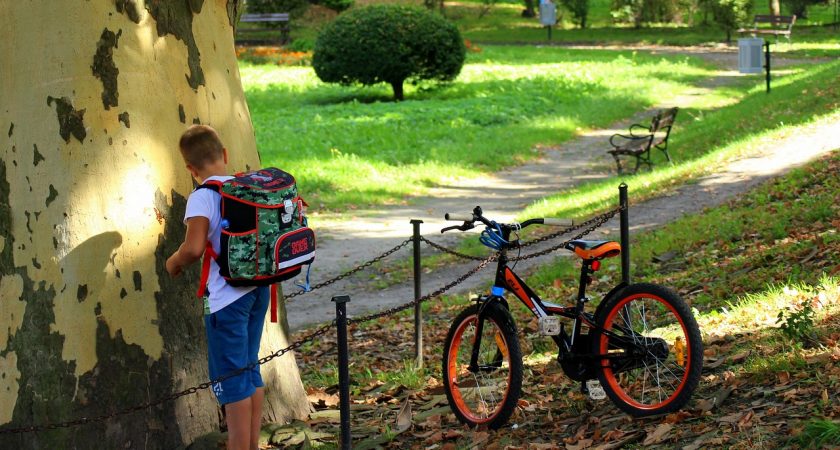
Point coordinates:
[[200, 145]]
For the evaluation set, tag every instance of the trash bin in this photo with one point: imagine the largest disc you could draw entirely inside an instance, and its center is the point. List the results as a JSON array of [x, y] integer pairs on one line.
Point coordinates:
[[548, 13], [750, 54]]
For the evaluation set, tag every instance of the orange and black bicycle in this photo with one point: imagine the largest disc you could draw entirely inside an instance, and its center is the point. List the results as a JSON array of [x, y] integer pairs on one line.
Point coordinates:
[[641, 346]]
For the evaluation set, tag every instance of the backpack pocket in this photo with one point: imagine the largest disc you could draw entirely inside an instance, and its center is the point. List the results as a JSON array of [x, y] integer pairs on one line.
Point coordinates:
[[294, 248], [241, 258]]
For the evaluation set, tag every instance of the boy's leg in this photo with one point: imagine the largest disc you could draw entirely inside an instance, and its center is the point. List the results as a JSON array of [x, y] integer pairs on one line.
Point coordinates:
[[238, 418], [256, 322], [256, 417]]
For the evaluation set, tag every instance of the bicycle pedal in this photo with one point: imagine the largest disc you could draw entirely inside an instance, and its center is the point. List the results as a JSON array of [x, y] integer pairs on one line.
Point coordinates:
[[550, 326], [596, 391]]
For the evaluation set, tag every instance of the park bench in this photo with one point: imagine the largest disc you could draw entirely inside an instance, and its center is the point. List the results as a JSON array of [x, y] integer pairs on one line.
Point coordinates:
[[778, 25], [642, 139], [278, 22]]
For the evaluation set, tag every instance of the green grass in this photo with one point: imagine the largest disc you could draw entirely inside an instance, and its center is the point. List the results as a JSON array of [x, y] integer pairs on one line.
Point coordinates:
[[820, 433], [353, 146]]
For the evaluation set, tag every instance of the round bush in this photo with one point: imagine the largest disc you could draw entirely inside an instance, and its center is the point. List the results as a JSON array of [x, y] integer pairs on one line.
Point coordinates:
[[388, 44]]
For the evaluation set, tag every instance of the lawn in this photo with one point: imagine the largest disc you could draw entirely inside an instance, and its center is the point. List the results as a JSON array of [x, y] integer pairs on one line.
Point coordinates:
[[353, 146]]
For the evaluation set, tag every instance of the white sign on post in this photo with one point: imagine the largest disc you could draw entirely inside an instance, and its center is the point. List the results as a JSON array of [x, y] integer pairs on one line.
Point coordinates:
[[750, 55]]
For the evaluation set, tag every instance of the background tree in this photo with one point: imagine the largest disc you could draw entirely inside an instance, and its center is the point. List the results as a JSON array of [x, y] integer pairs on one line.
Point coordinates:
[[579, 10], [388, 44], [800, 7], [731, 14], [92, 196]]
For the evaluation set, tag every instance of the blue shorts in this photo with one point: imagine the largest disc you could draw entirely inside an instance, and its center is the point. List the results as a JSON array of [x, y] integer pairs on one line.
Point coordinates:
[[233, 341]]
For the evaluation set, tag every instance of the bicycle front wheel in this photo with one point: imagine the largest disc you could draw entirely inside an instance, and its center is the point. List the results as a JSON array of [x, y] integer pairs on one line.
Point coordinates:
[[486, 393], [653, 352]]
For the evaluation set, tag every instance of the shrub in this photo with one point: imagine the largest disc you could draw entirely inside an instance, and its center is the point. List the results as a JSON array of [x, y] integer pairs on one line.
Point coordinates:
[[336, 5], [731, 14], [388, 43], [579, 10], [800, 7], [641, 11]]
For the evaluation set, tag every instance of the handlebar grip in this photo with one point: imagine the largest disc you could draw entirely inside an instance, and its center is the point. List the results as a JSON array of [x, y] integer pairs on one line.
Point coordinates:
[[558, 222], [458, 217]]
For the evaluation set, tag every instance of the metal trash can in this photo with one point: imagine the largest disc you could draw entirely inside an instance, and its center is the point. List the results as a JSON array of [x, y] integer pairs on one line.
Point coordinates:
[[750, 54], [548, 13]]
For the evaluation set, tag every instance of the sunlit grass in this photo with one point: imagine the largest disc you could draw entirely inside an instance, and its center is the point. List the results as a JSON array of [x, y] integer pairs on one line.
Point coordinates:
[[352, 145]]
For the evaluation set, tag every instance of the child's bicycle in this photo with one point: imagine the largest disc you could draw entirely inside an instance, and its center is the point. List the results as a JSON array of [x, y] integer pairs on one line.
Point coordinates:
[[642, 343]]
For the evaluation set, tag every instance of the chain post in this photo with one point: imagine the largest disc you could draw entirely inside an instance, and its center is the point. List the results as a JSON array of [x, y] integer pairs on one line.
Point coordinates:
[[624, 222], [418, 312], [343, 370]]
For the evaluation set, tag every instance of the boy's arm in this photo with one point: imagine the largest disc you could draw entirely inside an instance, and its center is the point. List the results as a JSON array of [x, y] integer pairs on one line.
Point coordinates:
[[193, 247]]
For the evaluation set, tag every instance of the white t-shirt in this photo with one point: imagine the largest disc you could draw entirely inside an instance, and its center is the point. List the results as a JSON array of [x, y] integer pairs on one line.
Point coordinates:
[[205, 203]]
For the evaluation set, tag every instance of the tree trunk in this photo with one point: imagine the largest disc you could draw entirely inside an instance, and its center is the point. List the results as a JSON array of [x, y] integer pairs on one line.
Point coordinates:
[[92, 196], [775, 8], [397, 87], [529, 10]]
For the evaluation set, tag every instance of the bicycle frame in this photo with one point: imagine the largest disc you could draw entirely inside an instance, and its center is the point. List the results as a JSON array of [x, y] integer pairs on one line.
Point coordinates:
[[507, 279]]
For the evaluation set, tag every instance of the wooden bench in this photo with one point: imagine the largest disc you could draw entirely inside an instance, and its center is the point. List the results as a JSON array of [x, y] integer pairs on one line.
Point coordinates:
[[643, 138], [778, 26], [280, 19]]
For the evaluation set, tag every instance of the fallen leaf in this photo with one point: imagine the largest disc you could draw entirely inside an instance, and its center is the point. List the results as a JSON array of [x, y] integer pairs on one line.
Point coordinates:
[[404, 416], [658, 435]]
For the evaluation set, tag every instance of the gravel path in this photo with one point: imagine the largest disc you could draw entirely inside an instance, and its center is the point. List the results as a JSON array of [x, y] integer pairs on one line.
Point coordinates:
[[346, 242]]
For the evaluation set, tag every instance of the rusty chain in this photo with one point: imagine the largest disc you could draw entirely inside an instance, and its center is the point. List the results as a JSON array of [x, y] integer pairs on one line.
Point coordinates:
[[172, 397], [426, 297], [351, 271]]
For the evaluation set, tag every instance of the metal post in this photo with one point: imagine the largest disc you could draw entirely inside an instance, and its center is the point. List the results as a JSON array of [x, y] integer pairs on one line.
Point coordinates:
[[549, 32], [343, 371], [767, 63], [418, 313], [624, 225]]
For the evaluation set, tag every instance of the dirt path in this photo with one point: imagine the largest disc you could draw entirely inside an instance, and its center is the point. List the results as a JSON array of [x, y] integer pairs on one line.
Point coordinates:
[[346, 242]]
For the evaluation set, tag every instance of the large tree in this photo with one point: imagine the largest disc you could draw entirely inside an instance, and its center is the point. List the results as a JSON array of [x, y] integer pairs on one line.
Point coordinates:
[[93, 97]]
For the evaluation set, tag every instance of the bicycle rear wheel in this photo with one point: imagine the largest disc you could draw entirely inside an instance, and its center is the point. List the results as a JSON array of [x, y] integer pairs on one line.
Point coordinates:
[[486, 394], [653, 347]]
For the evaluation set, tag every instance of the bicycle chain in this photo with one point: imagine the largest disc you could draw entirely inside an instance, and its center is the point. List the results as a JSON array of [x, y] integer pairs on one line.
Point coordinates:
[[172, 397], [352, 271]]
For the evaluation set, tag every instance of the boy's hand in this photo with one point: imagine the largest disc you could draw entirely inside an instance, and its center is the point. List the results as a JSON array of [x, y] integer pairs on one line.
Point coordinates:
[[173, 267]]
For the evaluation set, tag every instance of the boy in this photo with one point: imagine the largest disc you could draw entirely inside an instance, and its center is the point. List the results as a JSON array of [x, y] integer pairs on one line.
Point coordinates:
[[236, 315]]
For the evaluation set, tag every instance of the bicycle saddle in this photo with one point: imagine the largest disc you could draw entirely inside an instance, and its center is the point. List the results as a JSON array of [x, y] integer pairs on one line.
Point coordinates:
[[594, 249]]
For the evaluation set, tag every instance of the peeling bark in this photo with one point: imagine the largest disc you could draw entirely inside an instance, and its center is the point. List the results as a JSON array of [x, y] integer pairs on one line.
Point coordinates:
[[129, 8], [11, 129], [104, 68], [37, 156], [70, 121], [176, 18], [123, 117]]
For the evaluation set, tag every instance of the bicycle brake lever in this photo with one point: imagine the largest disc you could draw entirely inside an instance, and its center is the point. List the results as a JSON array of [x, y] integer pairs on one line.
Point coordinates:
[[455, 227], [463, 227]]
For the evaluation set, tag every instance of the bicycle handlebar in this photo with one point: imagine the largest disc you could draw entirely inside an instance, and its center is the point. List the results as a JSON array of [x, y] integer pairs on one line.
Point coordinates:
[[477, 216]]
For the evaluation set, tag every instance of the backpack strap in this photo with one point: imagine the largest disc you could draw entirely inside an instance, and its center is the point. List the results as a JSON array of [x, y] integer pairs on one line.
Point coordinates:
[[208, 249], [209, 254], [273, 295]]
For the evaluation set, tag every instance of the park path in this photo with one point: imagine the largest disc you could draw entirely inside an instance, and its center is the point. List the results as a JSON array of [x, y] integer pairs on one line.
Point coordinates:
[[361, 235]]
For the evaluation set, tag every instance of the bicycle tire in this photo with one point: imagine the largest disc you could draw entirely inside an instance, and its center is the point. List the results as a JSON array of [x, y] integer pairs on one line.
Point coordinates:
[[466, 391], [673, 374]]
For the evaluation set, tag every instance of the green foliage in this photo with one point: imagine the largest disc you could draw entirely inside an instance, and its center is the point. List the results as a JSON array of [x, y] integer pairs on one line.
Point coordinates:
[[579, 10], [388, 44], [646, 11], [337, 5], [800, 7], [797, 324], [820, 433], [295, 8], [732, 14]]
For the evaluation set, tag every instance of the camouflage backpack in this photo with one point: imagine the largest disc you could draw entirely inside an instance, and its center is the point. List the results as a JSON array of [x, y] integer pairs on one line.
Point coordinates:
[[265, 238]]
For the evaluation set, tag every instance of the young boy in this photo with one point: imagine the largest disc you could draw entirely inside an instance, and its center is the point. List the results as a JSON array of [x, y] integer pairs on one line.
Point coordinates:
[[236, 315]]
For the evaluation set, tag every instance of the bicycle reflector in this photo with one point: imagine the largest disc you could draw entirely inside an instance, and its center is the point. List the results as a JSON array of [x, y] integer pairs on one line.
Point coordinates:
[[596, 265]]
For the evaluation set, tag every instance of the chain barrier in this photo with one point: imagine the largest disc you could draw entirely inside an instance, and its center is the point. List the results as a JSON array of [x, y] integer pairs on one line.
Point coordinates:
[[426, 297], [592, 224], [172, 397], [351, 271]]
